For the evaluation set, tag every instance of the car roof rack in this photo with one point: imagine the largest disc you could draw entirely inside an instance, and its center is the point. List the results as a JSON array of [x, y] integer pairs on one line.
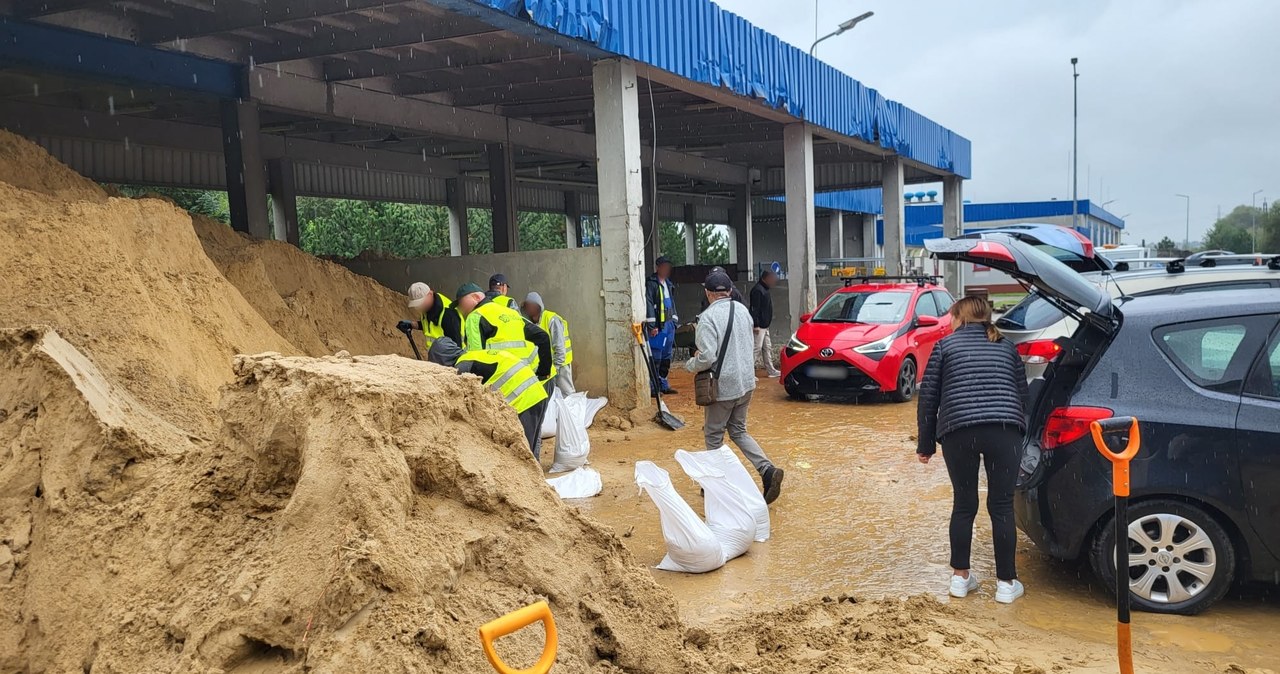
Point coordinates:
[[918, 279], [1272, 261]]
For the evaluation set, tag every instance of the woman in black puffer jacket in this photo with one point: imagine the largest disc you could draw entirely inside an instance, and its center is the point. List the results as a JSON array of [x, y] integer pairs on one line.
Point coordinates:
[[972, 401]]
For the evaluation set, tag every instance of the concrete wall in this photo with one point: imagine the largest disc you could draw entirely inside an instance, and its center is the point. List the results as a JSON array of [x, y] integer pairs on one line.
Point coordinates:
[[569, 281]]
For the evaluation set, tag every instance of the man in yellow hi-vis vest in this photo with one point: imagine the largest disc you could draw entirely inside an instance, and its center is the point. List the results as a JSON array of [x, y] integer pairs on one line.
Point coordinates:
[[561, 344], [437, 317], [511, 377]]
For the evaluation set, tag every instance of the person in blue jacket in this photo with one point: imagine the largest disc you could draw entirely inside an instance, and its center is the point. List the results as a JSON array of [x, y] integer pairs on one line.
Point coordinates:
[[660, 322]]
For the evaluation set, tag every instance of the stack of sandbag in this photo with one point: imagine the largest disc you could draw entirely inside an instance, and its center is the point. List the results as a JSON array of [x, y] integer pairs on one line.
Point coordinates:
[[593, 406], [725, 480], [574, 414]]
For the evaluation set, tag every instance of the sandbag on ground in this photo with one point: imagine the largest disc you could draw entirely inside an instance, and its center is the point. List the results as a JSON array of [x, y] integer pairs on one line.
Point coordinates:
[[723, 461]]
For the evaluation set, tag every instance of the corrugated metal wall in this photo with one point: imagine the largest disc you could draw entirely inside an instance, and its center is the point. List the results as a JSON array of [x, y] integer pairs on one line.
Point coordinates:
[[131, 163], [698, 40]]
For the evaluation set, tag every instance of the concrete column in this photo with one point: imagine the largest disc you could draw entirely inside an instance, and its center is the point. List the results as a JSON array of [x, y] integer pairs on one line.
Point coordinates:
[[690, 234], [742, 233], [802, 259], [953, 226], [284, 200], [895, 249], [618, 170], [502, 196], [836, 225], [572, 220], [869, 245], [246, 172], [459, 229]]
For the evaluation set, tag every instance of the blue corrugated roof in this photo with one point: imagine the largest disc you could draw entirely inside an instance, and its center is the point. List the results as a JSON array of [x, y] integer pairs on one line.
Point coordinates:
[[698, 40], [925, 222]]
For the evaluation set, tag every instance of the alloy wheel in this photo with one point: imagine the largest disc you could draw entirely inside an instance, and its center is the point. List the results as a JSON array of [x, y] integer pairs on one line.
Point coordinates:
[[1171, 558], [907, 378]]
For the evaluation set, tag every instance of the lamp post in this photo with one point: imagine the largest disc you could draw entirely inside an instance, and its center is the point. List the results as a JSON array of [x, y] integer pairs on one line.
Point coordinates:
[[844, 28], [1255, 221], [1075, 145], [1186, 243]]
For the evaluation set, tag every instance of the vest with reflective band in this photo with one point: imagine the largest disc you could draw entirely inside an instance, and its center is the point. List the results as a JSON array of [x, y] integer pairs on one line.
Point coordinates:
[[513, 379], [662, 303], [507, 302], [434, 331], [510, 335], [545, 324]]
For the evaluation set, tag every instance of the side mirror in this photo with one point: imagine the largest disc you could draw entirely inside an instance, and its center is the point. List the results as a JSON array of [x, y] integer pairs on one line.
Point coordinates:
[[805, 318], [927, 321]]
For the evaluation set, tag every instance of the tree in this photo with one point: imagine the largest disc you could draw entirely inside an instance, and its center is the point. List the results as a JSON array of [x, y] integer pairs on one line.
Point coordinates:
[[1226, 236], [713, 245], [541, 231], [209, 203], [1166, 247], [348, 227], [672, 241]]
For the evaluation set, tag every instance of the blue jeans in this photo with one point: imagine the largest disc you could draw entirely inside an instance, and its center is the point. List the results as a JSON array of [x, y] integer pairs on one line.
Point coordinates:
[[663, 346]]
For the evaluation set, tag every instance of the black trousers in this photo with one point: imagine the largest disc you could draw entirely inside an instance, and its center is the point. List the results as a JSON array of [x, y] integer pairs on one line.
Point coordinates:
[[998, 448]]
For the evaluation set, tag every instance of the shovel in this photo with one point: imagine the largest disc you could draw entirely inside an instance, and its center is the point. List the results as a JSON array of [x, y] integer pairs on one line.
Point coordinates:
[[409, 334], [664, 417], [1120, 488]]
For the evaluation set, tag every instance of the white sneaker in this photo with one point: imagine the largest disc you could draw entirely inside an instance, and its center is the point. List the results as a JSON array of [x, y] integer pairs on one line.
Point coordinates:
[[1007, 592], [961, 587]]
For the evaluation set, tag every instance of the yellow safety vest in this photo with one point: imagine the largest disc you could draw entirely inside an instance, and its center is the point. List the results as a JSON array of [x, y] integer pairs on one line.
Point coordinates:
[[512, 378], [510, 335], [434, 331], [545, 324], [507, 302]]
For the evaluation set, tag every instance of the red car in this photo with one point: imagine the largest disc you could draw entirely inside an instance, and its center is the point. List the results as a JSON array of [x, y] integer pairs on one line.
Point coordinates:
[[873, 336]]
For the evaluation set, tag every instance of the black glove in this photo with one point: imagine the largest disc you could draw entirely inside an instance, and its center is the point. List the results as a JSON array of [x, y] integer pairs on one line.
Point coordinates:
[[543, 374], [405, 326]]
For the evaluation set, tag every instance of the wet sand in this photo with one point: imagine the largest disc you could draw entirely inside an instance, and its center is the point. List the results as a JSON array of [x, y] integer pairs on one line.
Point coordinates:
[[860, 515]]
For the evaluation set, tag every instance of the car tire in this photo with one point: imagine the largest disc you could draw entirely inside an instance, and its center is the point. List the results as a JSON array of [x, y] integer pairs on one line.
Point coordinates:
[[795, 394], [908, 383], [1180, 529]]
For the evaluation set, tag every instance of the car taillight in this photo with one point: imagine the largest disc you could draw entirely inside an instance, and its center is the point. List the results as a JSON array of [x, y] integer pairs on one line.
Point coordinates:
[[1039, 352], [1068, 424]]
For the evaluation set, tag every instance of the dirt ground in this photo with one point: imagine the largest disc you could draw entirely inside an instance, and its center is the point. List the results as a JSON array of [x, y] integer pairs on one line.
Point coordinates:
[[860, 516]]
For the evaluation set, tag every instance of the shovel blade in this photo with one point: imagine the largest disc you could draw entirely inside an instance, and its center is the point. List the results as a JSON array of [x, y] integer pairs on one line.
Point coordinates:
[[667, 419]]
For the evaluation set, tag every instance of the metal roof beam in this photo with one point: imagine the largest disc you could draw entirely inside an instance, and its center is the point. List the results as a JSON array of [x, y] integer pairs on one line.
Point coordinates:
[[25, 9], [500, 81], [333, 41], [437, 57], [264, 15]]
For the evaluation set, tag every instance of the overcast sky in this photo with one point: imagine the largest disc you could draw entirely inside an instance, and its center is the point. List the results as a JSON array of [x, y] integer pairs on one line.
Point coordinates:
[[1176, 96]]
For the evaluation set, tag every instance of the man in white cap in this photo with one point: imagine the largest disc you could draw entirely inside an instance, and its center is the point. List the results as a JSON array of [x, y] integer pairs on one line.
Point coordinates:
[[535, 310], [437, 315]]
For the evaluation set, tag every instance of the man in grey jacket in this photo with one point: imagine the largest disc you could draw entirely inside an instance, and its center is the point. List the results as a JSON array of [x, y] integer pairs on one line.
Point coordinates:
[[737, 377]]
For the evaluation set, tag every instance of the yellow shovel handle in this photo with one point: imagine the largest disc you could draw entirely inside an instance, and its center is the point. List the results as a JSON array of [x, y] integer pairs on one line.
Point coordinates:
[[514, 622]]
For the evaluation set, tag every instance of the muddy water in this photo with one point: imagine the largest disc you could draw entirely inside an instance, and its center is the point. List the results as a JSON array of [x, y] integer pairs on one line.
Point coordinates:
[[860, 515]]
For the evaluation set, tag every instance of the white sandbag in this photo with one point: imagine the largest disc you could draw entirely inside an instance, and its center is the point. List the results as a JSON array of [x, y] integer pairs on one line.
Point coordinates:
[[572, 442], [729, 515], [723, 460], [594, 405], [553, 411], [691, 546], [582, 483]]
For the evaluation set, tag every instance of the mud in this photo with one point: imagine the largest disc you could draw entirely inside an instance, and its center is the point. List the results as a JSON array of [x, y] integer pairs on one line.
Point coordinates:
[[860, 515]]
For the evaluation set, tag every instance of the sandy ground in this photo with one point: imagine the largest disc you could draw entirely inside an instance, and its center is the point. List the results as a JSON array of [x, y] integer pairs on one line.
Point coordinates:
[[860, 516]]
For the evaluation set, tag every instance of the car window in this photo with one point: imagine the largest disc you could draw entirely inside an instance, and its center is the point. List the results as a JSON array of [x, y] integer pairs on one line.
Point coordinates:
[[1205, 352], [1233, 285], [1032, 313], [1265, 381], [927, 306], [944, 302], [886, 308]]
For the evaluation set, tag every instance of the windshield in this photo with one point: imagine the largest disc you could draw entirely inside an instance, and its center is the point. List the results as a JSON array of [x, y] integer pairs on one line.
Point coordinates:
[[881, 308], [1033, 313]]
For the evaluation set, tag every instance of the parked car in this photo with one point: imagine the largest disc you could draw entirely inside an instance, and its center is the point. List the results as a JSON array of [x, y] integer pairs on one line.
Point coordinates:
[[873, 336], [1062, 243], [1035, 324], [1201, 372]]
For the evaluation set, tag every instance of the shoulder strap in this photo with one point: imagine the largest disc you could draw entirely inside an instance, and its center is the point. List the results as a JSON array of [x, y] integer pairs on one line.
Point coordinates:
[[724, 344]]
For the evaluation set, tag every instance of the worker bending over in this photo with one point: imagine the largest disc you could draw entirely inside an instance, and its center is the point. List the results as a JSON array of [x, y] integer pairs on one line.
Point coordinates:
[[511, 377], [500, 292], [660, 322], [437, 315], [561, 345]]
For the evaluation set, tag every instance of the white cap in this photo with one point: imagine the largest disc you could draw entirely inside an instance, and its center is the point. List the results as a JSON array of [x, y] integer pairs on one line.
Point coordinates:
[[419, 293]]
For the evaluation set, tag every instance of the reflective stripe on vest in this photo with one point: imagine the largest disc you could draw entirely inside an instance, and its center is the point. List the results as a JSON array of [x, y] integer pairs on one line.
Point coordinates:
[[435, 330], [512, 378], [662, 303], [510, 332], [545, 324]]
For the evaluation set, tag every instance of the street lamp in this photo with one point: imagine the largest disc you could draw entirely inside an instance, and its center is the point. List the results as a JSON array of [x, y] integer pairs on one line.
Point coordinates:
[[1075, 146], [1186, 244], [1255, 221], [844, 28]]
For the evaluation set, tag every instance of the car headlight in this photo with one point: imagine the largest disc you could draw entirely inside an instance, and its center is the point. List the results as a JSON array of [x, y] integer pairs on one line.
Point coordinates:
[[796, 345], [878, 346]]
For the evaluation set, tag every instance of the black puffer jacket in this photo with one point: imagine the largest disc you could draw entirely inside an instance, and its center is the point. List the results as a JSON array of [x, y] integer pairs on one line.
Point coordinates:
[[970, 381]]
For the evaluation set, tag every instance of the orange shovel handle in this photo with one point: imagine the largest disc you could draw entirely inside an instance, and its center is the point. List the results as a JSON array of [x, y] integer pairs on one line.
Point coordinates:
[[1119, 461], [514, 622]]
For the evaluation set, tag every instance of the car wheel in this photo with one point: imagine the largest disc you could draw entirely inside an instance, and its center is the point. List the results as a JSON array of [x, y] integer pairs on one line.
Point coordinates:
[[795, 394], [1181, 560], [906, 381]]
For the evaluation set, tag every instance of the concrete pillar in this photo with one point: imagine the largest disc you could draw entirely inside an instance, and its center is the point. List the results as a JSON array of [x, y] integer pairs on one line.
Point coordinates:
[[246, 172], [836, 224], [802, 259], [284, 200], [895, 249], [572, 220], [742, 233], [953, 226], [690, 234], [869, 245], [650, 230], [459, 229], [502, 196], [618, 170]]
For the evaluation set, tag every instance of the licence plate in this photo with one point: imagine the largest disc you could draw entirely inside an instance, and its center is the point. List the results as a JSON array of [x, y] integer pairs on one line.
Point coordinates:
[[828, 372]]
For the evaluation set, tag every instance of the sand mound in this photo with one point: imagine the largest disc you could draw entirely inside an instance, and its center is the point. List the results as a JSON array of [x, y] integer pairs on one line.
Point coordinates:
[[389, 504], [28, 166], [319, 306]]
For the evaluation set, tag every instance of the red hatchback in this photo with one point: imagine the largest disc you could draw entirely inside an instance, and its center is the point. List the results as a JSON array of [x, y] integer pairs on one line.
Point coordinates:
[[873, 336]]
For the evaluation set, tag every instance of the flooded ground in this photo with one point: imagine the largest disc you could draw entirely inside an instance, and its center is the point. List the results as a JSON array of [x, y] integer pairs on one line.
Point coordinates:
[[860, 515]]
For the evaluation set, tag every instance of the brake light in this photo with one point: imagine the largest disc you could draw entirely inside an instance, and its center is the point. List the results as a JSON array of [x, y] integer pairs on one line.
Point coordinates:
[[1068, 424], [992, 250], [1039, 352]]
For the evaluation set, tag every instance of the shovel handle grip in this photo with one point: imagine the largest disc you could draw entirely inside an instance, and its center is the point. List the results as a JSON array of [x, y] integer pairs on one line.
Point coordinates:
[[1119, 460], [514, 622]]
